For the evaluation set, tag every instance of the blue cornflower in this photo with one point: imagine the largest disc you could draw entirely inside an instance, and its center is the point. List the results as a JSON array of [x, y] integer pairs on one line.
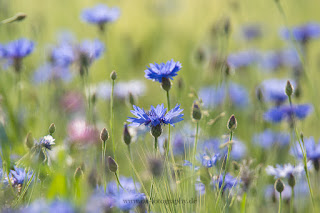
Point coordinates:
[[208, 161], [269, 138], [311, 148], [129, 192], [41, 205], [229, 182], [302, 33], [47, 142], [156, 116], [48, 72], [213, 97], [287, 112], [251, 31], [200, 188], [242, 59], [100, 14], [164, 70], [18, 176], [274, 90], [19, 49], [90, 51], [63, 55], [286, 170]]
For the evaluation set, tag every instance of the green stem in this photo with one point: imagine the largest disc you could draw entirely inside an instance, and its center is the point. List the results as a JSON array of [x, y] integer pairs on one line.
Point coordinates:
[[169, 132], [155, 146], [133, 176], [280, 200], [112, 122], [195, 145], [118, 181], [243, 204], [103, 164], [292, 200]]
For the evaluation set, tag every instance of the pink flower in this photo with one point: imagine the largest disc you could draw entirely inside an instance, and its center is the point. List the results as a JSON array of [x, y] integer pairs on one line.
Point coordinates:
[[82, 133], [72, 102]]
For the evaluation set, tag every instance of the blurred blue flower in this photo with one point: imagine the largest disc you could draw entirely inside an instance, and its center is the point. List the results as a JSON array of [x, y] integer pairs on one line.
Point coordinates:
[[181, 143], [98, 202], [63, 55], [311, 148], [242, 59], [251, 31], [269, 138], [40, 205], [229, 182], [100, 14], [302, 33], [47, 141], [213, 97], [2, 51], [18, 176], [286, 112], [284, 171], [189, 164], [49, 72], [164, 70], [208, 161], [301, 190], [213, 145], [126, 198], [274, 90], [90, 50], [200, 188], [18, 49], [156, 116]]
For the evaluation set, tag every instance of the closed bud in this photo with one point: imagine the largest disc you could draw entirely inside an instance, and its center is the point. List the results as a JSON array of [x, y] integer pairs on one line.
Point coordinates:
[[259, 95], [52, 129], [132, 99], [113, 75], [94, 98], [279, 185], [20, 16], [126, 134], [29, 141], [156, 166], [166, 84], [289, 89], [78, 173], [227, 26], [104, 135], [291, 181], [180, 83], [156, 131], [196, 111], [232, 123], [112, 164], [316, 164]]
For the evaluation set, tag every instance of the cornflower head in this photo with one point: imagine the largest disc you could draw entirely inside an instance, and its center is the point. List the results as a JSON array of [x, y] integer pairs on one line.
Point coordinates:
[[242, 59], [18, 177], [163, 73], [89, 51], [47, 142], [251, 31], [16, 50], [49, 72], [269, 138], [155, 118], [63, 55], [229, 181], [100, 15], [302, 33], [286, 170], [287, 112]]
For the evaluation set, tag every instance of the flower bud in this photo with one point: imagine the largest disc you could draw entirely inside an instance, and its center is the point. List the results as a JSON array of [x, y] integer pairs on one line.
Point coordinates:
[[289, 89], [279, 185], [166, 84], [156, 131], [196, 111], [316, 164], [232, 123], [104, 135], [259, 95], [156, 166], [78, 173], [52, 129], [126, 135], [180, 83], [113, 75], [29, 141], [112, 164], [132, 100], [291, 181]]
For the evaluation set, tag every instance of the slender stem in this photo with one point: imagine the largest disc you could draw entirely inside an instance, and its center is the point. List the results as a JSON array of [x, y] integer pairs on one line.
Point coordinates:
[[152, 181], [112, 121], [195, 145], [155, 146], [225, 169], [292, 200], [169, 132], [133, 175], [103, 165], [243, 204], [118, 181], [280, 200]]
